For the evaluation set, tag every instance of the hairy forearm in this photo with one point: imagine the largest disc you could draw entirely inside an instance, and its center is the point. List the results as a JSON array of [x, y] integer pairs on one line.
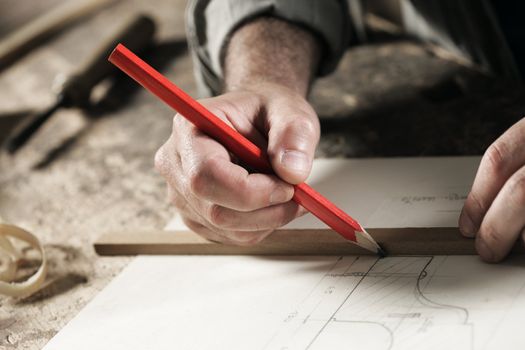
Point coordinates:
[[269, 50]]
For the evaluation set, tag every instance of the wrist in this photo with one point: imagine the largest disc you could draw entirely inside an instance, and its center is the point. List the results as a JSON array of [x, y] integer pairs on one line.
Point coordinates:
[[271, 52], [267, 87]]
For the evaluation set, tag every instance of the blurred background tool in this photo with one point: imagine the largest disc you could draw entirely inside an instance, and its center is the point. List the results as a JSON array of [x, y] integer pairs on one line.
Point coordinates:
[[9, 120], [31, 35], [75, 91]]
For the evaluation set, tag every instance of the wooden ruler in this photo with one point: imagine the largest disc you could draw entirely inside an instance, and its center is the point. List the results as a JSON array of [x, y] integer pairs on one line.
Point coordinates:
[[396, 241]]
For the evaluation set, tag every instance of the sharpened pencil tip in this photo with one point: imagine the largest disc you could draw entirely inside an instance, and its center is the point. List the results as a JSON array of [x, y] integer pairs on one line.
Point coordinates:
[[381, 252]]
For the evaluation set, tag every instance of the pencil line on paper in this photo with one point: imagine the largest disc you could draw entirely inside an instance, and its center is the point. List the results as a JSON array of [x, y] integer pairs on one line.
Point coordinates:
[[341, 305], [390, 332], [435, 304]]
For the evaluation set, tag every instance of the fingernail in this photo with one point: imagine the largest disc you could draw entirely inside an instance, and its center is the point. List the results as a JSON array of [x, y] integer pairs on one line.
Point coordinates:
[[466, 226], [484, 251], [280, 195], [295, 160]]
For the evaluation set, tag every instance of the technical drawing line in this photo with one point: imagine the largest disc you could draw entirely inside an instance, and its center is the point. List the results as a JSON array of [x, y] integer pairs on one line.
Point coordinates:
[[341, 305], [420, 294], [387, 275], [327, 274], [398, 267], [339, 279], [390, 332], [380, 300], [374, 292]]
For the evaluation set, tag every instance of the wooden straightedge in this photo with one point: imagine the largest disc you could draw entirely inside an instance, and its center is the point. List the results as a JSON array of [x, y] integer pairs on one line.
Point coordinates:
[[405, 241]]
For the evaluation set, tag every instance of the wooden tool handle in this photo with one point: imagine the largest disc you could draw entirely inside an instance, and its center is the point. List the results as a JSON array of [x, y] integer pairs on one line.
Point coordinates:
[[137, 33]]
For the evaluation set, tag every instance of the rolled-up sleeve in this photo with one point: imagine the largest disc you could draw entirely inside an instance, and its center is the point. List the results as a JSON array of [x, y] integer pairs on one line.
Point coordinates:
[[210, 23]]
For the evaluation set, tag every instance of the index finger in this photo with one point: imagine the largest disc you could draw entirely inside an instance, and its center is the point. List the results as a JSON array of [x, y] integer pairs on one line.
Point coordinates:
[[210, 175], [222, 182], [502, 159]]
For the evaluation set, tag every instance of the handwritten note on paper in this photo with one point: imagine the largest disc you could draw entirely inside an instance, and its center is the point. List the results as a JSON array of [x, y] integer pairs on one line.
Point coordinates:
[[392, 193], [418, 211]]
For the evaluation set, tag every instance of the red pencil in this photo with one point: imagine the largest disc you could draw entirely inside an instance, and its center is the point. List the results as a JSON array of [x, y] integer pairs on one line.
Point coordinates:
[[236, 143]]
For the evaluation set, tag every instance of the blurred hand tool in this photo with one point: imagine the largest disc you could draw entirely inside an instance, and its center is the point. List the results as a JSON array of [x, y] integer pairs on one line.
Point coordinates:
[[76, 89], [9, 120], [24, 39]]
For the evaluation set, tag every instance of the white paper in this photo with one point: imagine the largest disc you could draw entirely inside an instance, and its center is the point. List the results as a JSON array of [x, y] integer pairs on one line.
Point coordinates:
[[243, 302], [229, 302]]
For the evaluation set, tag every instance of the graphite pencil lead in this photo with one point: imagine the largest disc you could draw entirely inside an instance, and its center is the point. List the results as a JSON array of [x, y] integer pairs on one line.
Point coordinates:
[[381, 252], [364, 240]]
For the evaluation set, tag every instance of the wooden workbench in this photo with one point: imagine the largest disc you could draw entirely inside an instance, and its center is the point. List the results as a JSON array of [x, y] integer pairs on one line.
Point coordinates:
[[100, 176]]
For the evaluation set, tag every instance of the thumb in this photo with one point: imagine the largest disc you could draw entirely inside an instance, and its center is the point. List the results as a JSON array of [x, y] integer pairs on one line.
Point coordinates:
[[292, 139]]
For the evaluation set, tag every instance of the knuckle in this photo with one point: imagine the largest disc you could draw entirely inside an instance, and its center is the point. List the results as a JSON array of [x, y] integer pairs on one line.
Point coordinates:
[[302, 125], [517, 190], [497, 242], [201, 178], [182, 129], [303, 133], [245, 194], [309, 126], [217, 216], [496, 157], [178, 120], [161, 161], [198, 183], [492, 236], [475, 207]]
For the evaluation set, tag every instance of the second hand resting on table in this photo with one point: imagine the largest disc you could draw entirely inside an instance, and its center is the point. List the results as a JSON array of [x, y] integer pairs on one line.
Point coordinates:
[[265, 100]]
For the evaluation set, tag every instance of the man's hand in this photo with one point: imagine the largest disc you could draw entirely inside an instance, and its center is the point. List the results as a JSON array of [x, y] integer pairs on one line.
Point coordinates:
[[218, 198], [494, 211], [268, 68]]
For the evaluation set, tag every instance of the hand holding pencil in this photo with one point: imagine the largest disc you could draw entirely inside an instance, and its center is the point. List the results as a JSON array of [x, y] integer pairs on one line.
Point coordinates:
[[218, 198], [251, 155]]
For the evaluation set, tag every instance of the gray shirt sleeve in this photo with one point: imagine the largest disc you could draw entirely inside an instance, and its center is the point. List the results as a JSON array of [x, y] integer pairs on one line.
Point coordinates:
[[210, 22]]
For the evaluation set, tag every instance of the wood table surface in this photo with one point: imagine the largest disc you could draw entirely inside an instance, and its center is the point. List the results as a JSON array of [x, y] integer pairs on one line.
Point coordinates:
[[84, 174]]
